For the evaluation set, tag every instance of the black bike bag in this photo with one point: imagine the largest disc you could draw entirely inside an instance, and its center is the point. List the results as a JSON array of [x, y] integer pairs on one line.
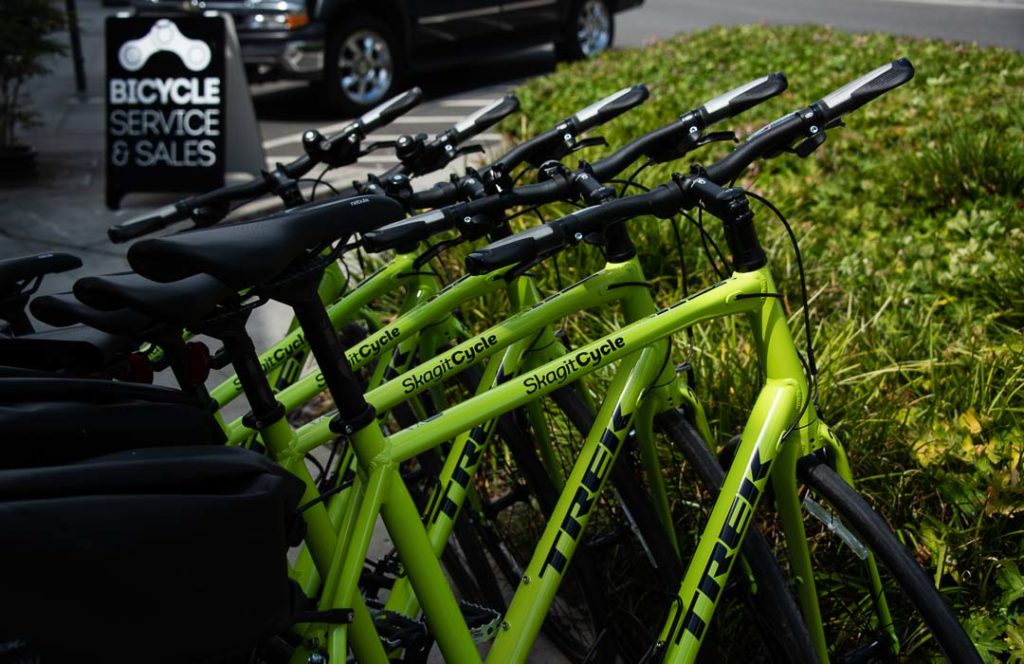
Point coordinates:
[[163, 555], [54, 421]]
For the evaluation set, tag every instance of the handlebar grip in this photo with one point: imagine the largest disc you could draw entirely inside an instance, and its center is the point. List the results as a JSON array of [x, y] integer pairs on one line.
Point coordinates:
[[487, 116], [855, 94], [739, 99], [407, 231], [611, 106], [148, 223], [517, 248], [387, 112], [442, 193]]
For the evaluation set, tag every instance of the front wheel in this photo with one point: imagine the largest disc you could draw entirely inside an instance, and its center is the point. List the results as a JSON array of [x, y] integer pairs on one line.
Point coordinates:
[[589, 30], [362, 66], [918, 617]]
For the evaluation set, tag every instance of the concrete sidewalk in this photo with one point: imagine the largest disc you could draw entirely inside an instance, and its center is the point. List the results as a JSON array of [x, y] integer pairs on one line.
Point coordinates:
[[63, 209]]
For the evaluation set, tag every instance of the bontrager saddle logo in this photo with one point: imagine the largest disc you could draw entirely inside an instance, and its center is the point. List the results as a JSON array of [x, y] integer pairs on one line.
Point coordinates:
[[164, 36]]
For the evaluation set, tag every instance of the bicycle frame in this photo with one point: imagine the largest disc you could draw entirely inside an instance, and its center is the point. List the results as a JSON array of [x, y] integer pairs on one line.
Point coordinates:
[[779, 431], [616, 282]]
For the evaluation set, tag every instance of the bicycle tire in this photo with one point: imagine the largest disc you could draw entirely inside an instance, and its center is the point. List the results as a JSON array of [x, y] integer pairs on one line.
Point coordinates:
[[913, 583]]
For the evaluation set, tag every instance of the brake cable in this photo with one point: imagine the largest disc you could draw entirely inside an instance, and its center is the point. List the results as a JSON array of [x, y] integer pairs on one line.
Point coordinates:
[[318, 180], [810, 364]]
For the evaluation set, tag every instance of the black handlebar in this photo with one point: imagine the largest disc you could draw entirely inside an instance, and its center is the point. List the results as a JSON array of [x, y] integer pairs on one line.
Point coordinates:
[[663, 144], [486, 117], [387, 112], [610, 107], [811, 122], [421, 226], [741, 98], [150, 222], [704, 187], [855, 94], [558, 141], [663, 201], [676, 139]]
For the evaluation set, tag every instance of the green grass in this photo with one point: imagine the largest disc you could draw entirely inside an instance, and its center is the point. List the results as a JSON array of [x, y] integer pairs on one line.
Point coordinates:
[[911, 223]]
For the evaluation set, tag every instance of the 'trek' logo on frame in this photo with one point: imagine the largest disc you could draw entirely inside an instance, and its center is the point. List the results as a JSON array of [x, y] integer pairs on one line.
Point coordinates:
[[726, 547]]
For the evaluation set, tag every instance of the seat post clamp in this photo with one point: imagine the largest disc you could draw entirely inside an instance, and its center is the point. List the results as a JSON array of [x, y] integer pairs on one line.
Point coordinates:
[[349, 426], [258, 422]]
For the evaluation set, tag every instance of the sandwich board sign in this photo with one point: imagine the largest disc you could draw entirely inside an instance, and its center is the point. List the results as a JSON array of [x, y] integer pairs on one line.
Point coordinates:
[[166, 93]]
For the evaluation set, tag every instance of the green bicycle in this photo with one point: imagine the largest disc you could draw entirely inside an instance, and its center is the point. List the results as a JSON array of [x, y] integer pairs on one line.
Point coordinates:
[[781, 430]]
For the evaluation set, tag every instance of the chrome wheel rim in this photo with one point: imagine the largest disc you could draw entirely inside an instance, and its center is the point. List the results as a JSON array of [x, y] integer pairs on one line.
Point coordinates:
[[365, 68], [593, 27]]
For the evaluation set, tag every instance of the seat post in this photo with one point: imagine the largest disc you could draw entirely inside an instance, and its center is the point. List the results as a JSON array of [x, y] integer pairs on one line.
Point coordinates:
[[330, 356], [230, 329], [300, 292]]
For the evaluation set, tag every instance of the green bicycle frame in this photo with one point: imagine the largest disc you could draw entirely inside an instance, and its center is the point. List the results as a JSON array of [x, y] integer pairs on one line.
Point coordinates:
[[780, 430]]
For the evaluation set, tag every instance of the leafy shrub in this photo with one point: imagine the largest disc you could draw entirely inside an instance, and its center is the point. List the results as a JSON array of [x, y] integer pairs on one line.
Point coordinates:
[[911, 223]]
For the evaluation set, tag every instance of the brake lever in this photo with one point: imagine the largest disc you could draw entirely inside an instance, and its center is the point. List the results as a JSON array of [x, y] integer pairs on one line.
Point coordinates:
[[813, 141], [468, 149], [589, 142], [805, 147], [377, 145], [717, 136]]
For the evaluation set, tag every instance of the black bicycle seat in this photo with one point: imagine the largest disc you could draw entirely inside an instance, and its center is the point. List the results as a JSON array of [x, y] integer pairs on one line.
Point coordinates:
[[64, 309], [78, 348], [184, 303], [14, 270], [252, 253]]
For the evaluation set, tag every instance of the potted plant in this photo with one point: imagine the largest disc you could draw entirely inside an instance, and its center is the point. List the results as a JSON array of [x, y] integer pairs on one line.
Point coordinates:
[[26, 29]]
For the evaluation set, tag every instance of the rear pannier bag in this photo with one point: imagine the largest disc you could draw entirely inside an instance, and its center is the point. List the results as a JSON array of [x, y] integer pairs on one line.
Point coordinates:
[[47, 421], [158, 555]]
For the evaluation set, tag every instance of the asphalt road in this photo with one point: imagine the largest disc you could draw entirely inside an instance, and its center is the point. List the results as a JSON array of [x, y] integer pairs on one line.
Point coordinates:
[[988, 22]]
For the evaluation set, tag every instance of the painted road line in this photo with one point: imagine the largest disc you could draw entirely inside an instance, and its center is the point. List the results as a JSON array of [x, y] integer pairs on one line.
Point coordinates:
[[289, 139], [428, 119], [273, 160], [973, 4], [467, 103], [327, 130]]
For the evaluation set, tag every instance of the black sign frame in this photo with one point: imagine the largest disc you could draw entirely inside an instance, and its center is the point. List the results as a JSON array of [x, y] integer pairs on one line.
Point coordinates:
[[165, 114]]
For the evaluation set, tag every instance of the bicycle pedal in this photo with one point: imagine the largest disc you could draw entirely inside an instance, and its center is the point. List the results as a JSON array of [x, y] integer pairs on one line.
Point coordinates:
[[402, 632], [483, 622], [380, 574]]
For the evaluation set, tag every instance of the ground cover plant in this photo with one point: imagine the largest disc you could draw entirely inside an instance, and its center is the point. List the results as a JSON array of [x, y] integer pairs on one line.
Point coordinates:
[[911, 225]]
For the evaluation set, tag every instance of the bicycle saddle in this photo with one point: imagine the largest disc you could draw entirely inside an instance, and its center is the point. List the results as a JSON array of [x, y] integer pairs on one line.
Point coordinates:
[[185, 303], [254, 252], [14, 270], [64, 309], [79, 348]]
